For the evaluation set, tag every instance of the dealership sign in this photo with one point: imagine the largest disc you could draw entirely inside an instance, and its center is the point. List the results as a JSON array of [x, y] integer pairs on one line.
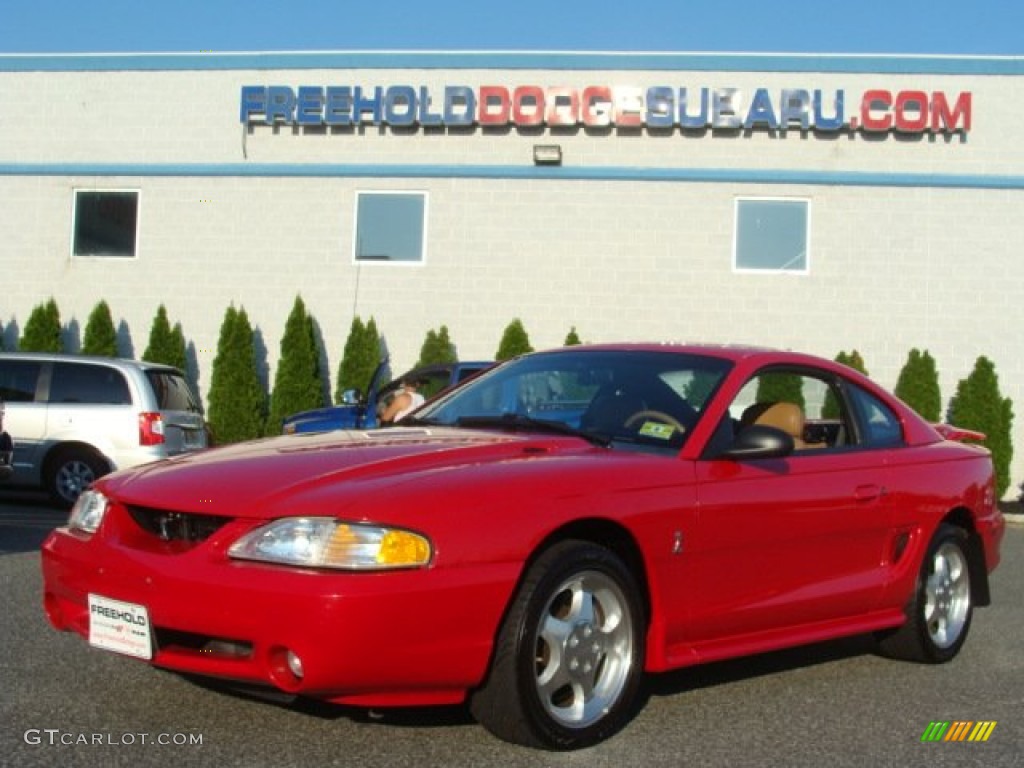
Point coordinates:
[[876, 110]]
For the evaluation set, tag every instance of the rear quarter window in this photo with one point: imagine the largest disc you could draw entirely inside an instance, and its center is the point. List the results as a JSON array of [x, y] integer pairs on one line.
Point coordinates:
[[88, 384], [879, 426]]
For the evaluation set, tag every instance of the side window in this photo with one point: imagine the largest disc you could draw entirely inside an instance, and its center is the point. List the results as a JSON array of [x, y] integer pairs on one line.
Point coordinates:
[[879, 426], [18, 380], [466, 372], [106, 223], [772, 235], [89, 384], [433, 382], [390, 227], [805, 405]]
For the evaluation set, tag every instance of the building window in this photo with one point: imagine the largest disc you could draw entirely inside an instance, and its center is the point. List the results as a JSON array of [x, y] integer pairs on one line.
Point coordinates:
[[772, 235], [105, 223], [391, 227]]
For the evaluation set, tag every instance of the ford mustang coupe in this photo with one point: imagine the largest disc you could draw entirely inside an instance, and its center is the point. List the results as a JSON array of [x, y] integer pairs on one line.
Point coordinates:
[[537, 539]]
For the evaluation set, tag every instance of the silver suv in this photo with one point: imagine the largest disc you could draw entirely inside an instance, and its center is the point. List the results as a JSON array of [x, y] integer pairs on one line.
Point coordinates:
[[73, 418]]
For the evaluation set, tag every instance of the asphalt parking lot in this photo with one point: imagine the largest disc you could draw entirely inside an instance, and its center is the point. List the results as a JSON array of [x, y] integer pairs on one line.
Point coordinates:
[[835, 704]]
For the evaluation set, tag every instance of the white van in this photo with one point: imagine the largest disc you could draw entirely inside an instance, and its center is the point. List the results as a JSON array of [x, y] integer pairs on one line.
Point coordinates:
[[73, 418]]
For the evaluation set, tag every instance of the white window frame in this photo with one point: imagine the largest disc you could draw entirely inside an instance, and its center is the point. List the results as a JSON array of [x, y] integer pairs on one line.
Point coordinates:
[[393, 193], [805, 270], [74, 222]]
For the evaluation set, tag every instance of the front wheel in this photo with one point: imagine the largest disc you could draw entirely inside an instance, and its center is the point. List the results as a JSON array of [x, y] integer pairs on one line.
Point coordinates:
[[70, 472], [939, 615], [568, 660]]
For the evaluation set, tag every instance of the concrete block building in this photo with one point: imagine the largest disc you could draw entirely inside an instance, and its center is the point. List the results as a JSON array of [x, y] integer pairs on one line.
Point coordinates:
[[820, 203]]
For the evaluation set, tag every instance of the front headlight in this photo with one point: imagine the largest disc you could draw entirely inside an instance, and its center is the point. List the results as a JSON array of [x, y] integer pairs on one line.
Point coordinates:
[[87, 514], [322, 542]]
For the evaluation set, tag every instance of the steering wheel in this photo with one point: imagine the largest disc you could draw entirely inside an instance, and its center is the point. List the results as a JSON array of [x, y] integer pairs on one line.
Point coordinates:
[[657, 416]]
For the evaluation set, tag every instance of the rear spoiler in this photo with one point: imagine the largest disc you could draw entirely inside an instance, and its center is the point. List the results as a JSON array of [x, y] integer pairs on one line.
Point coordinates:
[[949, 432]]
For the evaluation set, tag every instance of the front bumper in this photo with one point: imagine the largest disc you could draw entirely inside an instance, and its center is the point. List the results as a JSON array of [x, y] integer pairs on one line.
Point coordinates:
[[374, 639]]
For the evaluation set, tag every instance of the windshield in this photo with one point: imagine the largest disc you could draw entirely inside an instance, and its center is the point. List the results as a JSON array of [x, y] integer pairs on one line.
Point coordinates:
[[644, 398]]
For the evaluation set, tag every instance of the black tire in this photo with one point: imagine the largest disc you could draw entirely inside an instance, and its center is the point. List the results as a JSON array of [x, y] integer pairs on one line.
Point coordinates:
[[568, 660], [70, 471], [939, 614]]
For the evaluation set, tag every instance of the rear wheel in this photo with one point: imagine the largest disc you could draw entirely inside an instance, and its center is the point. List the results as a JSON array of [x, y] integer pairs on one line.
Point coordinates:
[[569, 656], [939, 616], [70, 472]]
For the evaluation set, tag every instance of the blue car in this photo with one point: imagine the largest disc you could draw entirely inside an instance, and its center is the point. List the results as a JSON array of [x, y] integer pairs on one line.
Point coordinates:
[[358, 412]]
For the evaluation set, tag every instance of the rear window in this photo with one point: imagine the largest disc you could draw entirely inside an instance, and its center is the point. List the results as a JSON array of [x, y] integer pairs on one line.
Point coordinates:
[[91, 384], [467, 371], [172, 391]]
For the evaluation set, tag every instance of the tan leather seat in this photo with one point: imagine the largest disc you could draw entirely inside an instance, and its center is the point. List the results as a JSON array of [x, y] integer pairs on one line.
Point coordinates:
[[789, 417]]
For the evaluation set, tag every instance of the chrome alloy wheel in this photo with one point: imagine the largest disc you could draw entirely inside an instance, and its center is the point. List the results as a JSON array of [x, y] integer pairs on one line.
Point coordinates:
[[584, 649], [947, 596]]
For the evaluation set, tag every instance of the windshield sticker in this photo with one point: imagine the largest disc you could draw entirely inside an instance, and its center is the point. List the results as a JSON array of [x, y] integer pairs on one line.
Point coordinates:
[[657, 430]]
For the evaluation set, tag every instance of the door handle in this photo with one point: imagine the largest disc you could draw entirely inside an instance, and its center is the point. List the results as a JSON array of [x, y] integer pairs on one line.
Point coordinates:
[[868, 492]]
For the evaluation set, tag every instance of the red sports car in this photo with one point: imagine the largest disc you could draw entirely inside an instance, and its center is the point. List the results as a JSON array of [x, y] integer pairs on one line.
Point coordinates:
[[537, 539]]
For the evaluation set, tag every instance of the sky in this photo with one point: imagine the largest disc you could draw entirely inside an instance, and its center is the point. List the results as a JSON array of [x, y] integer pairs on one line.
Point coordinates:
[[943, 27]]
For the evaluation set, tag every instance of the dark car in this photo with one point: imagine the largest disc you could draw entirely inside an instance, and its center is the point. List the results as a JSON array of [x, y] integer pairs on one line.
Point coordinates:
[[358, 412]]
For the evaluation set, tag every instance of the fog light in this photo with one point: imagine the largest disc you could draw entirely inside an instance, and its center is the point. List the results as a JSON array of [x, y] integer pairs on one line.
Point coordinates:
[[294, 664]]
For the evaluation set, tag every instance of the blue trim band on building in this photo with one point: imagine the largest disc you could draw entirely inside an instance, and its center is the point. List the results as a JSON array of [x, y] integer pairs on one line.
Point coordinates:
[[516, 60], [609, 173]]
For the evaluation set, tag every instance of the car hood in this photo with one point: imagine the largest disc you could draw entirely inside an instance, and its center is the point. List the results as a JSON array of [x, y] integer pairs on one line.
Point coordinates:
[[249, 478]]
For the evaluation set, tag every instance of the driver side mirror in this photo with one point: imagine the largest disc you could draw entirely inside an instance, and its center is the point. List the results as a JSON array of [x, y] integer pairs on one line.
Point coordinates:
[[351, 397], [759, 442]]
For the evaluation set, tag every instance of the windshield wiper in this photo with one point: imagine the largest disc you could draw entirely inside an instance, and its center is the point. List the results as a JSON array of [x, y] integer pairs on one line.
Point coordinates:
[[528, 424]]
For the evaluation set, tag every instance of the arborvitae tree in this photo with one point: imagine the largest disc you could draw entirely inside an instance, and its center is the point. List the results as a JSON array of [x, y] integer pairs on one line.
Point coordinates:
[[166, 345], [238, 404], [830, 408], [360, 358], [572, 339], [514, 341], [42, 331], [853, 359], [699, 388], [979, 405], [918, 385], [780, 387], [437, 348], [100, 335], [297, 383]]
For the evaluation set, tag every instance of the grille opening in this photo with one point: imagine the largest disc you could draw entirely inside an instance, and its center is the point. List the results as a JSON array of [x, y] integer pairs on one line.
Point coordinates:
[[177, 526], [219, 647]]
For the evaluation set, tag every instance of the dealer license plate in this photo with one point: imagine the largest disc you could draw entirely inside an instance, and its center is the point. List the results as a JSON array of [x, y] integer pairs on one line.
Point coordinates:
[[120, 627]]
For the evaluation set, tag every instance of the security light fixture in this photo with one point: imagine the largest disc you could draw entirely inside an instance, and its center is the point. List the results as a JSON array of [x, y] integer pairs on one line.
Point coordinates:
[[547, 154]]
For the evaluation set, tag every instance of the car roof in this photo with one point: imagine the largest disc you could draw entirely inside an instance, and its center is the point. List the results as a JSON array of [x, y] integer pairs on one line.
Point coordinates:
[[448, 366], [745, 355], [61, 357], [733, 352]]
